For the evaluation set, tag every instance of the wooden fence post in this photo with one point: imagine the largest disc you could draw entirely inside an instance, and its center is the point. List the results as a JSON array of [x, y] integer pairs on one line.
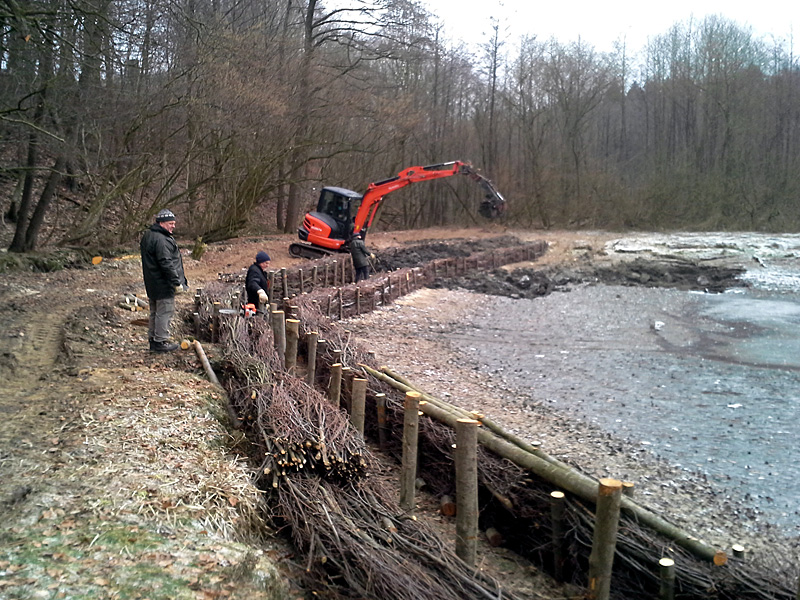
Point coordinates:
[[358, 402], [408, 469], [292, 336], [380, 404], [604, 541], [215, 323], [285, 282], [335, 385], [311, 357], [557, 526], [466, 458], [667, 572], [279, 333]]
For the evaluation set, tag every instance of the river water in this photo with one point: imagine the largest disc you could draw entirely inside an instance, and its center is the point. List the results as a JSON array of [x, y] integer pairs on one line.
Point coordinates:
[[709, 382]]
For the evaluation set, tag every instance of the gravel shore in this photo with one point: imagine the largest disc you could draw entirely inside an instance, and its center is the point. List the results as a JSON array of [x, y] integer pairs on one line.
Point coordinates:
[[541, 368]]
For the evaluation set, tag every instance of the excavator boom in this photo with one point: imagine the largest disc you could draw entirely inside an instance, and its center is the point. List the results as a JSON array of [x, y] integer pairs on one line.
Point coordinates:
[[327, 229]]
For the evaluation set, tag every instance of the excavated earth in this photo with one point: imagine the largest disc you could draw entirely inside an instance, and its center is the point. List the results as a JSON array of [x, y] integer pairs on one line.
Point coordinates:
[[118, 477]]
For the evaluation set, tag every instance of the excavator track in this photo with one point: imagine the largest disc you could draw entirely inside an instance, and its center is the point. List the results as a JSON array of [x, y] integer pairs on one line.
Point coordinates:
[[299, 250]]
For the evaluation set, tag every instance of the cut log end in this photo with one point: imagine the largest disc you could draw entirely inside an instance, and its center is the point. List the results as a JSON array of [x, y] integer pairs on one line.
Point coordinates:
[[447, 507], [720, 558]]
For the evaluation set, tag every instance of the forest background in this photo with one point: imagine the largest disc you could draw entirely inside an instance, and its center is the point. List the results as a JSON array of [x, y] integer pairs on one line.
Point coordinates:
[[234, 113]]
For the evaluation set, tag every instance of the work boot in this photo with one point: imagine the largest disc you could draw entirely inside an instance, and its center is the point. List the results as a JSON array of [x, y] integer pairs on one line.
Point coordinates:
[[163, 346]]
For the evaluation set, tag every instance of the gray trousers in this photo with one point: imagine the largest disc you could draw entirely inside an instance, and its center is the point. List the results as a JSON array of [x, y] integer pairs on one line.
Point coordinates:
[[161, 313]]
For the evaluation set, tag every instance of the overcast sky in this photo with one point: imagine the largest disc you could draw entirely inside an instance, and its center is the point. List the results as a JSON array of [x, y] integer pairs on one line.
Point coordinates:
[[600, 23]]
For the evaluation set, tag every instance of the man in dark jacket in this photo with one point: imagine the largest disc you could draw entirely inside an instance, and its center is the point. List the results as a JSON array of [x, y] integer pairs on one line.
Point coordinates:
[[162, 267], [361, 256], [256, 282]]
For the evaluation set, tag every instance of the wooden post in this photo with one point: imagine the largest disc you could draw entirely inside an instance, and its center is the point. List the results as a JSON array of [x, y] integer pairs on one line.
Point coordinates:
[[337, 356], [466, 458], [196, 320], [414, 277], [322, 349], [285, 282], [302, 281], [557, 526], [380, 404], [197, 300], [215, 323], [271, 294], [335, 269], [494, 537], [447, 506], [358, 300], [389, 279], [347, 388], [604, 541], [326, 274], [627, 488], [667, 572], [359, 399], [314, 271], [311, 357], [335, 385], [292, 336], [408, 469], [279, 333], [738, 550]]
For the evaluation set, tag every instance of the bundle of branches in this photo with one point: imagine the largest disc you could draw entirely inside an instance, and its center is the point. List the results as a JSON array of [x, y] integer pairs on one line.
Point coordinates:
[[371, 548], [316, 465]]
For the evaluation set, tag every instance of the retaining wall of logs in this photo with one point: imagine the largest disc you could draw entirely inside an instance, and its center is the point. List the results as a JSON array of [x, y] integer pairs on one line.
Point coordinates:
[[567, 523]]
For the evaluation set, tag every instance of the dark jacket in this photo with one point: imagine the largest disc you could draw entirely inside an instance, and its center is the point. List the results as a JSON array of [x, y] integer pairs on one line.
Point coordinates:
[[256, 280], [359, 252], [162, 265]]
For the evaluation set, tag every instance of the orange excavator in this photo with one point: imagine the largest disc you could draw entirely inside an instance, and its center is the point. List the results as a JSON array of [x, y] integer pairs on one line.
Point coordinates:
[[341, 212]]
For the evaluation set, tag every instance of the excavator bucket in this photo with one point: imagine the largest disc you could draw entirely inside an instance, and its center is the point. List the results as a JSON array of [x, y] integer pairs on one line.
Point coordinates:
[[493, 204]]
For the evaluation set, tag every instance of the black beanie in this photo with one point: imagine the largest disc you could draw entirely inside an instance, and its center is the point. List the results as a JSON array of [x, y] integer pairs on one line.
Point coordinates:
[[262, 257]]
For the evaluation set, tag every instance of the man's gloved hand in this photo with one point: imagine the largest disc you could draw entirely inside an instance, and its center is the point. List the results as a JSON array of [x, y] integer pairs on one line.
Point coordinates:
[[262, 296], [372, 256], [179, 289]]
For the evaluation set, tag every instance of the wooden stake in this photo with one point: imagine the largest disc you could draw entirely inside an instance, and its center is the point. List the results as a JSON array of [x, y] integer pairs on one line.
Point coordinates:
[[335, 268], [279, 333], [285, 282], [667, 572], [627, 488], [302, 281], [408, 469], [215, 323], [359, 398], [271, 295], [738, 550], [604, 541], [494, 537], [326, 275], [314, 271], [196, 320], [466, 459], [292, 336], [358, 300], [557, 506], [335, 385], [447, 506], [380, 404], [311, 357]]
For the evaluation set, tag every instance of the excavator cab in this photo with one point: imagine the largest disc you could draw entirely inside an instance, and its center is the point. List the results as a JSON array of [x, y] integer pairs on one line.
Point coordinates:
[[330, 225]]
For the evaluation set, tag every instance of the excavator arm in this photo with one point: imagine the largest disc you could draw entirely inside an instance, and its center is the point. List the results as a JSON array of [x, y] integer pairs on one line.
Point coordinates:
[[492, 206]]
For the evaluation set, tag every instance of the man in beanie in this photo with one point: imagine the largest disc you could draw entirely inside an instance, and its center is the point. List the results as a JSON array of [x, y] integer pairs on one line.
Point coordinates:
[[162, 267], [256, 282]]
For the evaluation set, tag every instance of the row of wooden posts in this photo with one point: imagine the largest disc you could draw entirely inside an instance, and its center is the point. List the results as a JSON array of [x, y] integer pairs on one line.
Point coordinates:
[[465, 510]]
